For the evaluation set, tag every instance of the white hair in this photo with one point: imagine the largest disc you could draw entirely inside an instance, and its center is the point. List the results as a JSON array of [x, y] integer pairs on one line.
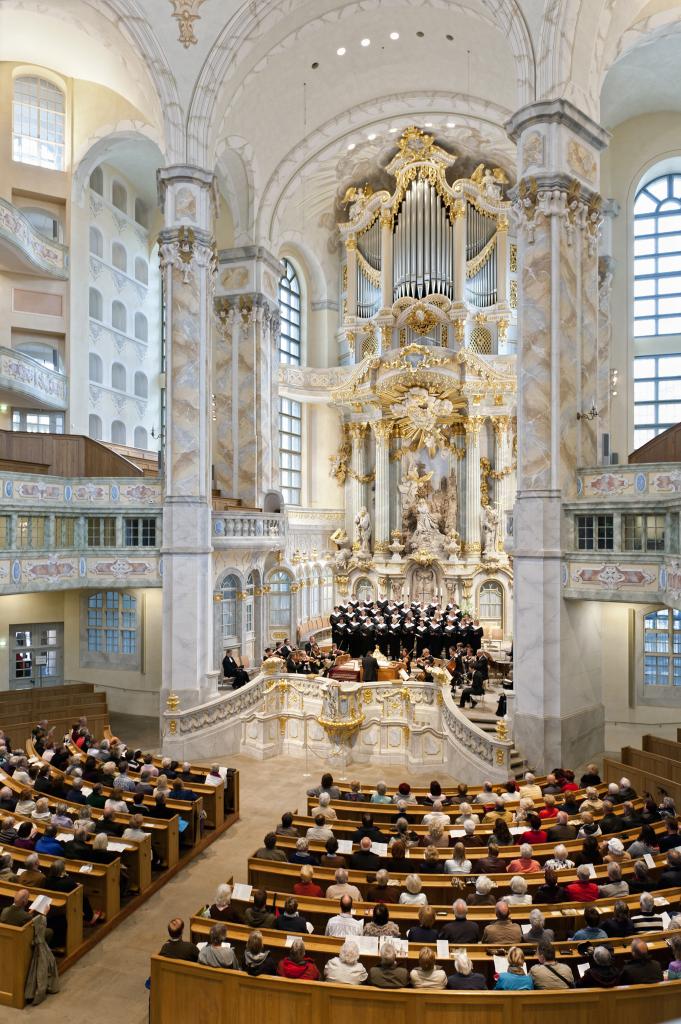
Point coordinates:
[[560, 852], [349, 952], [518, 885], [647, 903], [525, 851], [462, 962], [529, 777], [324, 799], [223, 894], [484, 885], [536, 918]]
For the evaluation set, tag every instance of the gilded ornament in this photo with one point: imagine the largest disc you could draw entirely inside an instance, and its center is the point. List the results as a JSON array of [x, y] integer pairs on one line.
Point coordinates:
[[172, 726], [367, 696], [502, 330], [500, 756], [172, 702], [513, 294], [421, 319], [513, 258], [185, 13]]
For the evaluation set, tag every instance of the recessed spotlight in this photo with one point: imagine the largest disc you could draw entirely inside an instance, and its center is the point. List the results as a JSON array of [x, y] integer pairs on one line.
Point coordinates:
[[451, 124], [450, 38], [351, 146], [341, 51], [315, 65], [393, 130], [420, 34], [394, 35], [427, 124], [371, 137], [366, 42]]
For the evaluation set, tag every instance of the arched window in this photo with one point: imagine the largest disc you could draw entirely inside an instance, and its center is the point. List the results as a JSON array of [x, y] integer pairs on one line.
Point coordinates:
[[96, 305], [662, 648], [141, 270], [118, 376], [231, 630], [289, 311], [97, 181], [96, 242], [141, 327], [38, 112], [141, 215], [491, 603], [96, 368], [657, 257], [95, 427], [141, 439], [249, 606], [327, 591], [290, 450], [119, 316], [118, 433], [119, 257], [364, 591], [280, 600], [119, 196], [141, 385]]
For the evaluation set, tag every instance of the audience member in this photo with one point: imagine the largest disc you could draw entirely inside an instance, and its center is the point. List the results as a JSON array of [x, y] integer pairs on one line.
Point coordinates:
[[346, 969], [515, 977], [427, 974], [177, 948], [343, 923]]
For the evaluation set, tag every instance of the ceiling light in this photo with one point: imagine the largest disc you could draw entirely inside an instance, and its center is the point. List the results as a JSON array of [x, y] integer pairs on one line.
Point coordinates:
[[393, 130], [394, 35], [341, 51], [351, 146], [366, 42], [371, 137], [451, 124], [427, 124]]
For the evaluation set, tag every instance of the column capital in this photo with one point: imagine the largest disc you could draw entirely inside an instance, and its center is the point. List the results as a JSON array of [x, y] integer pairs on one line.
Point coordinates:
[[187, 195], [557, 112], [382, 429], [500, 425], [472, 426], [358, 431]]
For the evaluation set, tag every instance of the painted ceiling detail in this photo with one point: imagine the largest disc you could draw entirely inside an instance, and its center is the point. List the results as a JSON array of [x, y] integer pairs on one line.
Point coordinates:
[[185, 13]]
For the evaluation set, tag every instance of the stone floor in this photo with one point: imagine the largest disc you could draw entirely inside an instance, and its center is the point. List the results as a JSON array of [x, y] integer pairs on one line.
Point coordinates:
[[108, 982]]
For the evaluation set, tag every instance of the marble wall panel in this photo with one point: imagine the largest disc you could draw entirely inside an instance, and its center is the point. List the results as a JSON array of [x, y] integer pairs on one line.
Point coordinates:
[[592, 387], [567, 366], [534, 363], [184, 422]]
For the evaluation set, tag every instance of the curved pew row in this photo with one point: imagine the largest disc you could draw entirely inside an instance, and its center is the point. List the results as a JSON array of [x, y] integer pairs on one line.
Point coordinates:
[[184, 991]]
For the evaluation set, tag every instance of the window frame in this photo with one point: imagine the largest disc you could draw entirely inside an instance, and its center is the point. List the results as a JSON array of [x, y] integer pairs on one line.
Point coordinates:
[[230, 612], [290, 457], [648, 234], [290, 345], [644, 432], [100, 531], [655, 694], [140, 532], [111, 630], [589, 526], [280, 600], [40, 113]]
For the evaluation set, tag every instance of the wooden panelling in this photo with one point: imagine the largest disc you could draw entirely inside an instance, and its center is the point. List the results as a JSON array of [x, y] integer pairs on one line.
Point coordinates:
[[69, 455], [666, 447]]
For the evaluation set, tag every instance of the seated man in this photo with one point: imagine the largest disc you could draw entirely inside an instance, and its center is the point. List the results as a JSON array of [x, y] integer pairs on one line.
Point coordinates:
[[269, 851], [176, 948], [341, 887], [364, 859], [642, 969], [547, 973], [233, 671], [460, 931], [503, 932], [344, 923]]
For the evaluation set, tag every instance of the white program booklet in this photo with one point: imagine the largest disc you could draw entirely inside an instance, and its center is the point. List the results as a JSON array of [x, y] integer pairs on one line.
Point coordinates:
[[649, 860], [85, 869], [381, 849], [41, 904], [367, 945], [117, 847], [582, 968], [345, 846], [240, 891], [442, 949]]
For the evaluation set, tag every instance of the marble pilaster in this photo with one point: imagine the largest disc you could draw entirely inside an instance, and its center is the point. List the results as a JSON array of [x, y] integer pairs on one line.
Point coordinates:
[[358, 471], [559, 713], [471, 523], [504, 491], [187, 256], [381, 431]]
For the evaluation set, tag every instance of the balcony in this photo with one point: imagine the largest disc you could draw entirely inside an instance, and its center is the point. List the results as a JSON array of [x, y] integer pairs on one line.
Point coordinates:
[[22, 375], [261, 530], [23, 250]]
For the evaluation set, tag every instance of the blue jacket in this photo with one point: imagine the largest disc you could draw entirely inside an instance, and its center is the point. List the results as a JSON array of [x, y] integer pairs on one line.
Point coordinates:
[[514, 982], [48, 845]]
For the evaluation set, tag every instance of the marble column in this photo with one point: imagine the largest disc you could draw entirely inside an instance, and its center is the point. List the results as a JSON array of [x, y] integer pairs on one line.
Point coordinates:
[[358, 472], [471, 524], [559, 716], [458, 465], [187, 254], [604, 385], [246, 386], [382, 430], [386, 262], [504, 490]]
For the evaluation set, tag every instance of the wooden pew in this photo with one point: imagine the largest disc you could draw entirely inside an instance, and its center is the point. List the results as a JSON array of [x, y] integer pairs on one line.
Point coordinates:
[[658, 745], [69, 905], [164, 834], [101, 883], [322, 947], [645, 781], [658, 764], [563, 918], [186, 991], [439, 889], [213, 796], [15, 956], [136, 857]]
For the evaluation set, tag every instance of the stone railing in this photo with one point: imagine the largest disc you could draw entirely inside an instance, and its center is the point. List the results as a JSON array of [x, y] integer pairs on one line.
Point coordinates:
[[235, 527], [407, 723], [26, 376], [31, 249], [631, 577], [312, 379]]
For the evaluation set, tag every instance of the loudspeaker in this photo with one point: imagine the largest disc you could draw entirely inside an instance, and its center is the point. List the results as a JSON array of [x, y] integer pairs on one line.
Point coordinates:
[[605, 452]]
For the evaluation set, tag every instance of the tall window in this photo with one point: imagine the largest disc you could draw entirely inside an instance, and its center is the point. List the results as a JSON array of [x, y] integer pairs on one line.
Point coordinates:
[[289, 311], [112, 623], [231, 633], [657, 257], [594, 533], [249, 606], [280, 600], [290, 449], [327, 590], [36, 422], [657, 395], [119, 434], [96, 368], [38, 123], [97, 181], [96, 304], [490, 603], [662, 648]]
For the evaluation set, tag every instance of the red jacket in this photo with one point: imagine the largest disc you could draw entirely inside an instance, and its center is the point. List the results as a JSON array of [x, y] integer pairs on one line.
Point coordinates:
[[533, 837], [289, 969], [582, 892], [308, 889]]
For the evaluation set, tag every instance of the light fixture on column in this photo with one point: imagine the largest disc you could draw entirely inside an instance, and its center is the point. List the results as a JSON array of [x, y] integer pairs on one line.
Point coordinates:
[[590, 415], [614, 383]]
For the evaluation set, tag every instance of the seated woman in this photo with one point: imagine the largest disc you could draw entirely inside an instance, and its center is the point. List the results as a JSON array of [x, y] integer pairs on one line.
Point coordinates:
[[307, 885], [380, 794], [214, 954], [430, 865], [590, 852], [412, 896], [464, 977], [515, 978], [296, 964], [257, 959], [458, 864], [425, 930], [483, 895], [221, 909], [501, 833], [427, 974], [646, 842], [380, 923], [26, 836], [519, 895], [346, 969]]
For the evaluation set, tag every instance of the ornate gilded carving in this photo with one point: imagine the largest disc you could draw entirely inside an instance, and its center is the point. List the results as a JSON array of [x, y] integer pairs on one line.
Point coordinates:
[[185, 13], [513, 294], [513, 258]]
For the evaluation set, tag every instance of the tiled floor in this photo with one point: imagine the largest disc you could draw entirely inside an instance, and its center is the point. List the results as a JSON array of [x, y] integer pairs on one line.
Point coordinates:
[[108, 983]]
